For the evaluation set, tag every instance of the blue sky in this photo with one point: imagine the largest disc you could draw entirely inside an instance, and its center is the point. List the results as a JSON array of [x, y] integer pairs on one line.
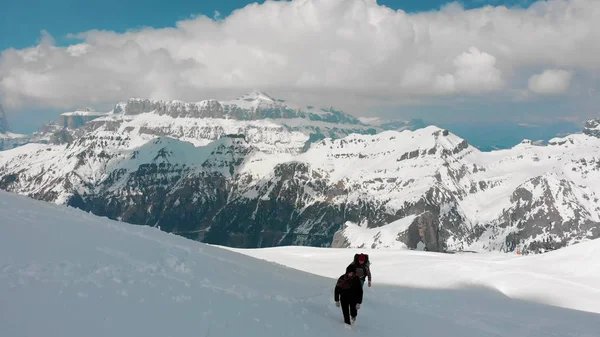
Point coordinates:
[[22, 21], [534, 63]]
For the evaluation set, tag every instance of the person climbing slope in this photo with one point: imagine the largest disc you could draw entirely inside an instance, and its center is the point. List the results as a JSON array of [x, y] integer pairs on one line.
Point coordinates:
[[348, 293], [363, 267]]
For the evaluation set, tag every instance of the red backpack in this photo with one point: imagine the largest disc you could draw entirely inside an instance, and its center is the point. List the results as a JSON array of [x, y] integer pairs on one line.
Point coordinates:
[[367, 263]]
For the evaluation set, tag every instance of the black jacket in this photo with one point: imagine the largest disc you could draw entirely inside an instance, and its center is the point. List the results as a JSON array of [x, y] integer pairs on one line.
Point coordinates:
[[349, 288]]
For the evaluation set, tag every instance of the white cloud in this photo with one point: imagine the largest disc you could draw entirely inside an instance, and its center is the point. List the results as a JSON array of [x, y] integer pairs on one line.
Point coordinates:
[[550, 82], [476, 72], [311, 46]]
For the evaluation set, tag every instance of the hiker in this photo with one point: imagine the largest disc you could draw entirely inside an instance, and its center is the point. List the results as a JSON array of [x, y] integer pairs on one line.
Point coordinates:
[[348, 293], [363, 269]]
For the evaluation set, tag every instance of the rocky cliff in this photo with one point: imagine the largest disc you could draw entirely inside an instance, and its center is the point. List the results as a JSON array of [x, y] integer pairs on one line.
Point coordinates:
[[78, 118]]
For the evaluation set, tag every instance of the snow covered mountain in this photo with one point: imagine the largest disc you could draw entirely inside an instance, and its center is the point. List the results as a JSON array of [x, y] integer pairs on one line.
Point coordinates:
[[64, 272], [257, 172], [48, 133], [210, 119]]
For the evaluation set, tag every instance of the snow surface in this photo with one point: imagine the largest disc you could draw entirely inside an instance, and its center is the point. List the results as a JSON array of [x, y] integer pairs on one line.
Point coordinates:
[[380, 237], [64, 272], [565, 278]]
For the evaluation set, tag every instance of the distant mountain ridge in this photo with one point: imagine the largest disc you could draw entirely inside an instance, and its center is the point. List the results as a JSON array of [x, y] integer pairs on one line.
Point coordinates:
[[256, 171], [252, 106]]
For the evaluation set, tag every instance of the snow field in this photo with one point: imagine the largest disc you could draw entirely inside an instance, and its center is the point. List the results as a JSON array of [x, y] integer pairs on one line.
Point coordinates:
[[64, 272]]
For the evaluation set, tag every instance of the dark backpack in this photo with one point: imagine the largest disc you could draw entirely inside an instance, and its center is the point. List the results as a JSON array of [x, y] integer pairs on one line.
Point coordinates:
[[344, 282]]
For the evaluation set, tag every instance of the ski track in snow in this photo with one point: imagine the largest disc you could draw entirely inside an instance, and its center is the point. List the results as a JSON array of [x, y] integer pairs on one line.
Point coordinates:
[[64, 272]]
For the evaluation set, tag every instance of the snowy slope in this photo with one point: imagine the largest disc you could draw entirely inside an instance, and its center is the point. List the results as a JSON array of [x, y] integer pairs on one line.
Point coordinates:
[[565, 278], [381, 237], [383, 164], [64, 272], [401, 165]]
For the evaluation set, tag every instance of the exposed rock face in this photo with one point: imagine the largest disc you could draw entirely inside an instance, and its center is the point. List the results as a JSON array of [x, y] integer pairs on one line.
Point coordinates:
[[592, 128], [252, 106], [339, 239], [425, 229], [61, 137], [77, 119], [547, 206]]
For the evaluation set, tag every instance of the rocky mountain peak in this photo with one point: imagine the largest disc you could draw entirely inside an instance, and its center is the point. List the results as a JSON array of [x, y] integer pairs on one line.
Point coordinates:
[[257, 95], [592, 127]]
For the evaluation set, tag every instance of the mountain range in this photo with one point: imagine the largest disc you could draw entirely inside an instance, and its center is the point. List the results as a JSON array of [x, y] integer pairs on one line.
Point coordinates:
[[257, 171]]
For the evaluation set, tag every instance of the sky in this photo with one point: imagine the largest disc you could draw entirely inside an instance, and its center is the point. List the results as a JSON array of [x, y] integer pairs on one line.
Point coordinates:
[[448, 62], [21, 22]]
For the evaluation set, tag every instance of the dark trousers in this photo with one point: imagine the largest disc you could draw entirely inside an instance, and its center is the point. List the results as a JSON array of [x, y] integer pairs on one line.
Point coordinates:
[[348, 309]]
